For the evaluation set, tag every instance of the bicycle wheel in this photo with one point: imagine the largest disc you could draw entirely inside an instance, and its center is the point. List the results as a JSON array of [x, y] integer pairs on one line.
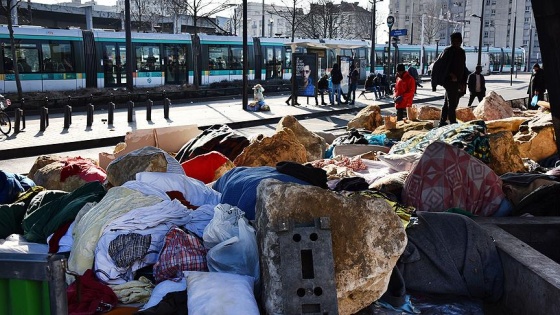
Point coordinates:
[[5, 123]]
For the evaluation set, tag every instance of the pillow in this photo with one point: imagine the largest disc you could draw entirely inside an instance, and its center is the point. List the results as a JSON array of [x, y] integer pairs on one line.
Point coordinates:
[[217, 293], [400, 162], [162, 289]]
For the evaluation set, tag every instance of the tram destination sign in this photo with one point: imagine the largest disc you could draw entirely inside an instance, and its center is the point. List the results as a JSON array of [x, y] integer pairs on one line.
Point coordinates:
[[398, 32]]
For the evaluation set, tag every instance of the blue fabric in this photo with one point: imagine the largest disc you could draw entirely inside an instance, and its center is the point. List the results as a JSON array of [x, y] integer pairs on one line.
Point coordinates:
[[239, 186], [11, 185]]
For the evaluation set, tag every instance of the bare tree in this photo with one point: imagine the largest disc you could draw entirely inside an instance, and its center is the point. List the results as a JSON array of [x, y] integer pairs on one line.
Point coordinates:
[[8, 7], [433, 25], [292, 12], [320, 21]]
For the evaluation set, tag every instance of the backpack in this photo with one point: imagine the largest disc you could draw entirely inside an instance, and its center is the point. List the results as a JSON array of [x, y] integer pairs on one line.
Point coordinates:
[[440, 69], [182, 251]]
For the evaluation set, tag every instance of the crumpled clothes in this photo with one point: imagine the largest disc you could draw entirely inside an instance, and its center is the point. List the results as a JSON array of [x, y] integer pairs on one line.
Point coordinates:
[[354, 163], [136, 291]]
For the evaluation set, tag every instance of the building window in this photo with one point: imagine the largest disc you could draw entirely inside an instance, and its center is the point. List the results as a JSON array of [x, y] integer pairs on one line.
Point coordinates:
[[527, 8], [527, 20], [407, 18], [493, 12], [486, 23], [488, 2], [485, 34], [525, 42]]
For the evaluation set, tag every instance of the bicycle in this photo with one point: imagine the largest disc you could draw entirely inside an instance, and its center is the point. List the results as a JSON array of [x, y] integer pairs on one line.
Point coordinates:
[[5, 122]]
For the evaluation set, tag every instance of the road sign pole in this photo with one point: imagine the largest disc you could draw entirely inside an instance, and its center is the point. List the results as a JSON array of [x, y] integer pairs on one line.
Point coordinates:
[[390, 22]]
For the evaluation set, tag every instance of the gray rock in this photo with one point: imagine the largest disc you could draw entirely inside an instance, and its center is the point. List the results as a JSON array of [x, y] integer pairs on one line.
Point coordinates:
[[314, 144], [367, 239]]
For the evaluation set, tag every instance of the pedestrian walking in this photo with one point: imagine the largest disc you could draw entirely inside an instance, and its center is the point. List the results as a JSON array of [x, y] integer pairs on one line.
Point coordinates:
[[293, 94], [477, 85], [323, 87], [537, 84], [449, 71]]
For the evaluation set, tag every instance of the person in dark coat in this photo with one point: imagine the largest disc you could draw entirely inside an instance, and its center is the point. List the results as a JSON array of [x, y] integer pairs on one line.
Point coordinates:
[[477, 85], [336, 78], [455, 80], [537, 85], [323, 87], [414, 73]]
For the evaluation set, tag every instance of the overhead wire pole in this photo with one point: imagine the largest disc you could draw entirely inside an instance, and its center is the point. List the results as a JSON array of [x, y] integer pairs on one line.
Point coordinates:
[[128, 39], [245, 58], [373, 31], [513, 44]]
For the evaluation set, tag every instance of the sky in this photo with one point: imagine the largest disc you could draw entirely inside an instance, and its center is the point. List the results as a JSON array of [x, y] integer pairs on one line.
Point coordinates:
[[381, 6]]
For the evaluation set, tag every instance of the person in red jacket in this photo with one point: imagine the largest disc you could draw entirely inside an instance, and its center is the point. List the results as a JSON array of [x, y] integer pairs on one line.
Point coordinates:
[[404, 91]]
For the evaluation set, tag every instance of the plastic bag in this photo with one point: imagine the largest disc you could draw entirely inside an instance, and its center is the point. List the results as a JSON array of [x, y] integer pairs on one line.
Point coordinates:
[[534, 101], [223, 225], [238, 254]]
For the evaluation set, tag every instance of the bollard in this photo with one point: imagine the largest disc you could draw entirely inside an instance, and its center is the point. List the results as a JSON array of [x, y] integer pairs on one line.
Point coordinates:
[[23, 113], [89, 120], [19, 115], [166, 105], [67, 116], [149, 105], [111, 113], [44, 123], [130, 105]]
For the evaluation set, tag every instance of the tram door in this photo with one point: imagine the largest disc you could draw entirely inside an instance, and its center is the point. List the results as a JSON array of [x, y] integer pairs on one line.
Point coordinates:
[[114, 64], [273, 61], [176, 64]]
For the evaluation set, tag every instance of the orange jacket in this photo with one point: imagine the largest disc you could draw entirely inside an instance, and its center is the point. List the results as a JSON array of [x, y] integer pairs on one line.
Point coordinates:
[[405, 87]]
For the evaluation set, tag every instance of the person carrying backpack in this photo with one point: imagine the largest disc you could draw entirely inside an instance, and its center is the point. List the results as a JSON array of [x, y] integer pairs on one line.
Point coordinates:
[[449, 71]]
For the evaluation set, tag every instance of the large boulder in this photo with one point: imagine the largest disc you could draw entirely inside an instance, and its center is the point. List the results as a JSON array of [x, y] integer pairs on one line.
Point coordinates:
[[465, 114], [314, 144], [268, 151], [429, 113], [536, 139], [146, 159], [367, 240], [507, 124], [493, 107], [504, 155], [65, 173], [403, 127], [368, 118]]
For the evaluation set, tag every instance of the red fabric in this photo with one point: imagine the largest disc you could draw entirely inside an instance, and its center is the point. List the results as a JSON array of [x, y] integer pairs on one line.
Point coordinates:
[[92, 294], [174, 194], [57, 235], [182, 251], [405, 87], [84, 168], [203, 167]]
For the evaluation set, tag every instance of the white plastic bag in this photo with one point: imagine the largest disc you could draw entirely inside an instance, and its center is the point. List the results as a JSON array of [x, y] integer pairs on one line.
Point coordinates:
[[223, 225], [238, 254]]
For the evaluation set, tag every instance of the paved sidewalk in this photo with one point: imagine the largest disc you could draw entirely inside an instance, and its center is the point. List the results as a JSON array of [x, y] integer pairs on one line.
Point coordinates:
[[32, 141]]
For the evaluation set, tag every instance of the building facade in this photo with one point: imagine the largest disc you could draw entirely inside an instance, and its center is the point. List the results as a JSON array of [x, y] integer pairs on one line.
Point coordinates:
[[439, 18]]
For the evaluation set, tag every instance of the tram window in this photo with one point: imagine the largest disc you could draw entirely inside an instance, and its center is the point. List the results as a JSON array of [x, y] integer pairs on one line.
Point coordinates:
[[27, 58], [218, 57], [236, 62], [57, 57], [148, 58]]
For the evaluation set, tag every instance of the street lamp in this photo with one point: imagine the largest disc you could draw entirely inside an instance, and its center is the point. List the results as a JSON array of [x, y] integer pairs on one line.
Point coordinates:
[[372, 51], [271, 23], [481, 17]]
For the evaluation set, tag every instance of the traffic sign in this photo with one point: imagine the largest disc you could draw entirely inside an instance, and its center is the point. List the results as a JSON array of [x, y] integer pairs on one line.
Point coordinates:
[[390, 21], [398, 32]]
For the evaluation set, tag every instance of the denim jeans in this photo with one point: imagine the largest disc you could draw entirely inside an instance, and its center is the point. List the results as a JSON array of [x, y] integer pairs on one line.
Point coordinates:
[[338, 91]]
